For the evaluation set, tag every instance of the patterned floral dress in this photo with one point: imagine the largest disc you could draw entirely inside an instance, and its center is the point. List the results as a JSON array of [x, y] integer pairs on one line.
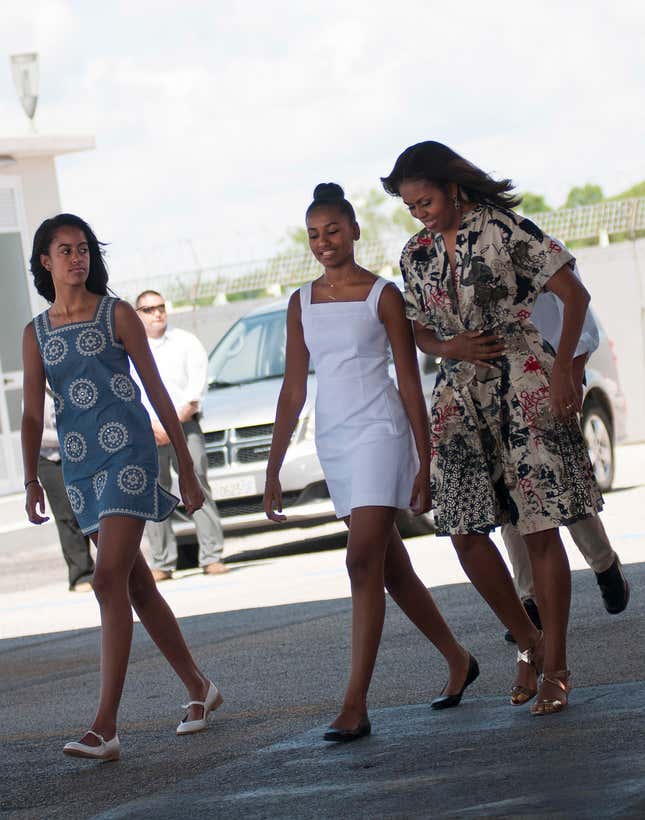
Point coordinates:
[[498, 453], [108, 450]]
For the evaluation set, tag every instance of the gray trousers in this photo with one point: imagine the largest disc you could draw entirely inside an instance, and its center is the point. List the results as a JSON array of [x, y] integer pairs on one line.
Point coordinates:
[[589, 536], [163, 544], [75, 545]]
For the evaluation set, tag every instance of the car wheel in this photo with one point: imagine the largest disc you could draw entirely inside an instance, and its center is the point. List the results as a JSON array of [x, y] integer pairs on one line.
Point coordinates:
[[411, 526], [597, 430]]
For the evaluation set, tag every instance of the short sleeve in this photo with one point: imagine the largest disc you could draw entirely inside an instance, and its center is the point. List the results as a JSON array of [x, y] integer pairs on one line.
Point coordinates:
[[534, 255], [590, 336], [196, 364], [411, 294]]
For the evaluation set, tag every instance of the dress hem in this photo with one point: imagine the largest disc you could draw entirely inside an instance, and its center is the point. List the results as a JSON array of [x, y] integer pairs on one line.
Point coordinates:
[[135, 513], [486, 529], [397, 507]]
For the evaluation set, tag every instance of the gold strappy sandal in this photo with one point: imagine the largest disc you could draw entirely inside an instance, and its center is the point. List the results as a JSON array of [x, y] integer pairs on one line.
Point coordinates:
[[533, 656], [549, 706]]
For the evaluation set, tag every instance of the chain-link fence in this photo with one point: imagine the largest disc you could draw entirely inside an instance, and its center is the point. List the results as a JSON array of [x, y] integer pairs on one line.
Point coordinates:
[[623, 216], [201, 283], [182, 271]]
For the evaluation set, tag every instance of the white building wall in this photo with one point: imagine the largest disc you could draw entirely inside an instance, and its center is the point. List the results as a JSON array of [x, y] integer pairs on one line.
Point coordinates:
[[615, 278], [39, 189]]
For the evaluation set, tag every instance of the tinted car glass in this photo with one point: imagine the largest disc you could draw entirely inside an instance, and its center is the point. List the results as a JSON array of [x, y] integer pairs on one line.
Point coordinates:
[[253, 349]]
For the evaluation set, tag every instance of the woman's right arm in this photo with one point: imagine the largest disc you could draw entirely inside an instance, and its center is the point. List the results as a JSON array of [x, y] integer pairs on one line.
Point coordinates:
[[290, 403], [31, 431], [470, 346]]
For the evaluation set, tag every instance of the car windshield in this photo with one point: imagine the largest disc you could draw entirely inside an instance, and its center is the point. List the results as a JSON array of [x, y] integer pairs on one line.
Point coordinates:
[[252, 350]]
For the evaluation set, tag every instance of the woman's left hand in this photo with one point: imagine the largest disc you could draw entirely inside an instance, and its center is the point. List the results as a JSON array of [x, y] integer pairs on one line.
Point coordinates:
[[191, 492], [421, 500], [565, 398]]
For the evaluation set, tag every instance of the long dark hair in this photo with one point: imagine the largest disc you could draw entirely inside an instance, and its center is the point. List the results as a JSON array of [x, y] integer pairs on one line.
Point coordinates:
[[331, 193], [436, 163], [98, 276]]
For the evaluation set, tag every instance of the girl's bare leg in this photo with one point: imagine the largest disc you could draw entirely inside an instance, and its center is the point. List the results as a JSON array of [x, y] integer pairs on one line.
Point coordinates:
[[117, 547], [414, 599], [120, 579], [369, 533], [161, 624], [552, 579], [485, 567]]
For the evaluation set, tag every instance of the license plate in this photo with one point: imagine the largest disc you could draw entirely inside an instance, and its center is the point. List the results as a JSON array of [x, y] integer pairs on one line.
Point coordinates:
[[233, 487]]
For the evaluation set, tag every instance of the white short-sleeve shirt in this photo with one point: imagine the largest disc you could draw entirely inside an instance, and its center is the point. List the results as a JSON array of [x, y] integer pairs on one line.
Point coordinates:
[[548, 314], [182, 362]]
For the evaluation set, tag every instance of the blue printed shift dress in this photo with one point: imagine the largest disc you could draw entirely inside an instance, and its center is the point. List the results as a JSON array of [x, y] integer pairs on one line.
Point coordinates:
[[108, 450]]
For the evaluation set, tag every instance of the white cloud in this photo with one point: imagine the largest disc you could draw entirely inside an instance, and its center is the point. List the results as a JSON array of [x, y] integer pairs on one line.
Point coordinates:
[[216, 119]]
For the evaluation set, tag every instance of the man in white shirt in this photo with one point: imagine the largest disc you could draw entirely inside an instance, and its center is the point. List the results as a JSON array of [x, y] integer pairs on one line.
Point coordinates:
[[182, 363], [589, 534]]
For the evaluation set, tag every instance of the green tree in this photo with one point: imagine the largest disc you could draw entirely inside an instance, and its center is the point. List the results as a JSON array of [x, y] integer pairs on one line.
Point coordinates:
[[637, 190], [376, 214], [297, 240], [584, 195], [533, 203], [404, 219]]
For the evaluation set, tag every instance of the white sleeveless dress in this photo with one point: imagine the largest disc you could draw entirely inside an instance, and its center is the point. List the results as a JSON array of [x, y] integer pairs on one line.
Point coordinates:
[[363, 436]]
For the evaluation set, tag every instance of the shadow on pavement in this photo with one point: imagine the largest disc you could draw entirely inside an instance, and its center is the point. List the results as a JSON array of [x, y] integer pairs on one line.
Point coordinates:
[[282, 671]]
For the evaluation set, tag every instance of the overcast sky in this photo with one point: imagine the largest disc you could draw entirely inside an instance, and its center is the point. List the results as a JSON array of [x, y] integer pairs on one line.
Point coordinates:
[[216, 119]]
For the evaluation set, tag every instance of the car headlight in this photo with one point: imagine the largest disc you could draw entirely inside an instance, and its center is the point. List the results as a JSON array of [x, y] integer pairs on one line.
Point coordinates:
[[308, 428]]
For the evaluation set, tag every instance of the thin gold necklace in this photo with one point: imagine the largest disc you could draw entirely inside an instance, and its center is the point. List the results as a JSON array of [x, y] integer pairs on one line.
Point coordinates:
[[331, 285]]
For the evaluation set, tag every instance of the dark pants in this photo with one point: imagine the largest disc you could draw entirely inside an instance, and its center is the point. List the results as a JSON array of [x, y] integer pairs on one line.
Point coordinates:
[[76, 546]]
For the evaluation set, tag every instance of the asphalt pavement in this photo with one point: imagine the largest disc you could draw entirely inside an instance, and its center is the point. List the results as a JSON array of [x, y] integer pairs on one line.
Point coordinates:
[[274, 635]]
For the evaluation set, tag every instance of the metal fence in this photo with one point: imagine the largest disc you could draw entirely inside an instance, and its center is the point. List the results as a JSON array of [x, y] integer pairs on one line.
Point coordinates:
[[623, 216], [183, 273]]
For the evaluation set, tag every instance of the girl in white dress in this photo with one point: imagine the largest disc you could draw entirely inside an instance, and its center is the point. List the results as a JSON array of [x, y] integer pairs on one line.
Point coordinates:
[[372, 440]]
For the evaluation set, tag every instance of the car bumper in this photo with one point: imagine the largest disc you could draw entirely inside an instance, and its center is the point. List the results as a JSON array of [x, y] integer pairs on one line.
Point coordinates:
[[238, 489]]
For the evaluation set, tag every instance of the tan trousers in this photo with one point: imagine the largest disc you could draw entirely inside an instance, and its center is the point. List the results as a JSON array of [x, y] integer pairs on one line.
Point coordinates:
[[589, 536]]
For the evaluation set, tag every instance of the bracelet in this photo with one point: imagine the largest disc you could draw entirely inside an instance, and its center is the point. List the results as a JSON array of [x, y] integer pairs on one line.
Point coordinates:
[[33, 481]]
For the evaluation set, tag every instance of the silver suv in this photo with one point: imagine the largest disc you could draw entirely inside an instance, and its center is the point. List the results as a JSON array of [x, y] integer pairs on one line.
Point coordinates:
[[245, 375]]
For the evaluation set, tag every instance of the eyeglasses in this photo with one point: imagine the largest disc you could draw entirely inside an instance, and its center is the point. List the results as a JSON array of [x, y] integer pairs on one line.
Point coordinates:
[[152, 308]]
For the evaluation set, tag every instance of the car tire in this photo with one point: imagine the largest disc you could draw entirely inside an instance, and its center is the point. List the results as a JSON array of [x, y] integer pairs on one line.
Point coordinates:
[[411, 526], [598, 433]]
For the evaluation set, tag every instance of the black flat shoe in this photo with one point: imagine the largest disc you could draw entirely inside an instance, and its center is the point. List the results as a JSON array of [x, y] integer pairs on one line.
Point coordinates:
[[347, 735], [613, 588], [448, 701]]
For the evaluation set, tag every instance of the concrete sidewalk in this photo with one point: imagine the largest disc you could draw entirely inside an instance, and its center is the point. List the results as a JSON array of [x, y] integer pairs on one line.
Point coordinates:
[[484, 759], [282, 672], [275, 636]]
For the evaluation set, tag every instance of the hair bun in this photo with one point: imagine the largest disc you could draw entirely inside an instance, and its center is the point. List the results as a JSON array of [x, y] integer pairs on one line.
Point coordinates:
[[328, 192]]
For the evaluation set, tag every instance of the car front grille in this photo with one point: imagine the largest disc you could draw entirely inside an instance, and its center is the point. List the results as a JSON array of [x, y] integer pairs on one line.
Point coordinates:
[[257, 431], [253, 504], [216, 437], [216, 458], [248, 455], [238, 445]]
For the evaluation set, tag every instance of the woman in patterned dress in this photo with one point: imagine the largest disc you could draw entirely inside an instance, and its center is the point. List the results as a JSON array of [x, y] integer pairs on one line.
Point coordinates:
[[81, 345], [506, 444]]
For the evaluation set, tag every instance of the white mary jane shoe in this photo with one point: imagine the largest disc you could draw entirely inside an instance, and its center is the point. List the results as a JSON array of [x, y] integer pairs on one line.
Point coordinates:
[[107, 750], [209, 704]]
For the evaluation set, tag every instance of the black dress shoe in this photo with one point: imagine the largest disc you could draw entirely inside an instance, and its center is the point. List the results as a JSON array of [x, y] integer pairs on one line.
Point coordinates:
[[448, 701], [613, 588], [347, 735], [532, 611]]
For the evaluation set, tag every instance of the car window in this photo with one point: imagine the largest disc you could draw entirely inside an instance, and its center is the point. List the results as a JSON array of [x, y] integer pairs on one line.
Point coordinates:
[[253, 349]]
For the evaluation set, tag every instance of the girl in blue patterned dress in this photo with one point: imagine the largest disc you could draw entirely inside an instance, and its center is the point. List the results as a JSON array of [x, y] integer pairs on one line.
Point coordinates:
[[82, 345]]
